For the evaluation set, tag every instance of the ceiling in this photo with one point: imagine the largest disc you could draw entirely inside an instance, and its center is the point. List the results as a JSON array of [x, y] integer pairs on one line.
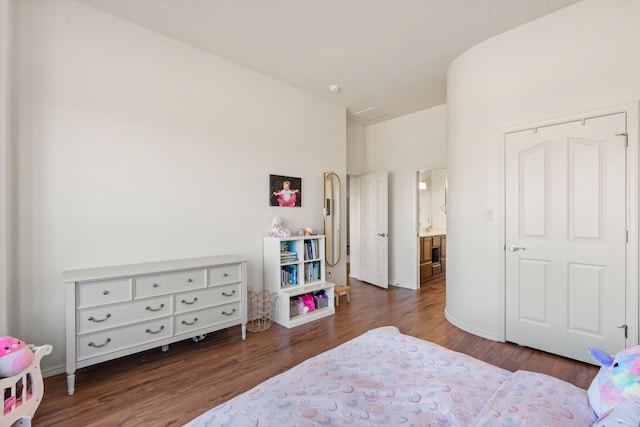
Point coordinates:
[[387, 55]]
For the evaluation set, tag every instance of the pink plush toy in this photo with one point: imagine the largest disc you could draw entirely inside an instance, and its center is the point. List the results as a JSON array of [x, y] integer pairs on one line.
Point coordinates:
[[307, 300], [15, 356], [8, 404]]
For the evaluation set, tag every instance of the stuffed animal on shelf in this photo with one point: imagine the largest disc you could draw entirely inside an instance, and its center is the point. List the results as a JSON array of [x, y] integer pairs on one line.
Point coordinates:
[[617, 381], [308, 302], [306, 231], [278, 228], [15, 356]]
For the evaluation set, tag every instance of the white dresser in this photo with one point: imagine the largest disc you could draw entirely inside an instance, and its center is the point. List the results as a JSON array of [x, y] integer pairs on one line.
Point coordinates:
[[116, 311]]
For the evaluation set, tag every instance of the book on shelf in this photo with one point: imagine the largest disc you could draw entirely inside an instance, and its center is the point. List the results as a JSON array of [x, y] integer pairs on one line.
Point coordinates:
[[289, 275], [288, 256], [311, 249], [312, 272]]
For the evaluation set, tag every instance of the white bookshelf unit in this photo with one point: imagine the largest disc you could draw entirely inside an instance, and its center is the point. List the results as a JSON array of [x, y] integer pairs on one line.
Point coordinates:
[[294, 266]]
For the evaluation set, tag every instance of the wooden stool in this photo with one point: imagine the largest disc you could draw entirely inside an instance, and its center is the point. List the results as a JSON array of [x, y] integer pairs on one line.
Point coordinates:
[[343, 290]]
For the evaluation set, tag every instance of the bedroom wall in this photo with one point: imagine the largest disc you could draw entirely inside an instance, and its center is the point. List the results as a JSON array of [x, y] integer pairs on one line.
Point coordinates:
[[579, 59], [132, 147], [5, 164], [403, 146], [356, 146]]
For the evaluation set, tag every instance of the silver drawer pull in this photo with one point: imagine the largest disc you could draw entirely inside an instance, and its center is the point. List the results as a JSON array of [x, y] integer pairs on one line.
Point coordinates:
[[189, 280], [105, 292], [228, 295], [92, 344], [229, 314], [93, 319], [195, 319], [155, 285], [189, 303], [225, 275], [149, 331], [155, 309]]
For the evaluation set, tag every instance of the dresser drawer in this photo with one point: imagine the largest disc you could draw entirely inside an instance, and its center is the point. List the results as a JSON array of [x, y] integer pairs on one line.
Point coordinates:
[[99, 318], [104, 292], [194, 320], [104, 342], [224, 274], [224, 294], [162, 284]]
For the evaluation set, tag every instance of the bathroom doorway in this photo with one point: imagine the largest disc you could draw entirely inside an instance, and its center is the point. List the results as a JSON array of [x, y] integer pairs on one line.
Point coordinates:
[[432, 223]]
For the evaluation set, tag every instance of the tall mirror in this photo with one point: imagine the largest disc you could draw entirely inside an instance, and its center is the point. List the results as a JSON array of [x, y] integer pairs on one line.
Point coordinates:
[[332, 218]]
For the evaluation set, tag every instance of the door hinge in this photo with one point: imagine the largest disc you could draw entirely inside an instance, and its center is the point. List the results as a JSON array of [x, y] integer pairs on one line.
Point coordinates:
[[626, 330], [626, 236], [626, 138]]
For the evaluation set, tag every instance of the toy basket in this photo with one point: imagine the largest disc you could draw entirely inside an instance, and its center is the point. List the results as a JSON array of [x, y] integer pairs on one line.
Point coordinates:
[[295, 307], [321, 299], [262, 307]]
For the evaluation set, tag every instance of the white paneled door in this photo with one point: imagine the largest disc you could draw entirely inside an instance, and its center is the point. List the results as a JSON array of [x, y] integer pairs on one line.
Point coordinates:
[[566, 236], [374, 229]]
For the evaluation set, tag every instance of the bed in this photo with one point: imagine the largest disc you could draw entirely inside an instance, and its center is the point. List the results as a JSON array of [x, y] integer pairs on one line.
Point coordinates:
[[384, 377]]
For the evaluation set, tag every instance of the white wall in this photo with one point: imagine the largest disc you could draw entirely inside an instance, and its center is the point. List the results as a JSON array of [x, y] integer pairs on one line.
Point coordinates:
[[356, 147], [578, 59], [403, 146], [5, 164], [133, 147]]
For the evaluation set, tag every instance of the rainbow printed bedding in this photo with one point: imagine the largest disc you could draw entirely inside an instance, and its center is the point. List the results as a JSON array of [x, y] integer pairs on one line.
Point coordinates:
[[384, 377]]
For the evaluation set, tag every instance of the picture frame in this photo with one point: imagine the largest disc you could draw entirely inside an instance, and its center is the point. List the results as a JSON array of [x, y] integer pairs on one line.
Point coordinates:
[[285, 191]]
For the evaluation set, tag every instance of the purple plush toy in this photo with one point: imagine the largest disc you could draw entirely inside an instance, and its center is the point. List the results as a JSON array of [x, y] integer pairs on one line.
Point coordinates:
[[617, 381]]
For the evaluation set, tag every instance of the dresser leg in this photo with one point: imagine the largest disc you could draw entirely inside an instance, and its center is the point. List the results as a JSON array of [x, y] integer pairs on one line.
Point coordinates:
[[71, 384], [165, 348], [244, 332]]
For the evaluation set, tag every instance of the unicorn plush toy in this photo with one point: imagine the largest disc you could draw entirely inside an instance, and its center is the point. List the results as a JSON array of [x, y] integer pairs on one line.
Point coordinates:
[[617, 384]]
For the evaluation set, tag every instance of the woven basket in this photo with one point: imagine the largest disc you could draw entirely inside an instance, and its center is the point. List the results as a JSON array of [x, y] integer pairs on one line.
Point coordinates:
[[262, 307]]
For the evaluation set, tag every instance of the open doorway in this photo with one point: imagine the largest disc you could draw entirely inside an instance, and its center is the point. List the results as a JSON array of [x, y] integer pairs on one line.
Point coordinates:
[[353, 225], [432, 223]]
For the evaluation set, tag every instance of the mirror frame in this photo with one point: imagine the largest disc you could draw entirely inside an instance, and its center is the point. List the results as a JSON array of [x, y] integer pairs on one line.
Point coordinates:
[[331, 213]]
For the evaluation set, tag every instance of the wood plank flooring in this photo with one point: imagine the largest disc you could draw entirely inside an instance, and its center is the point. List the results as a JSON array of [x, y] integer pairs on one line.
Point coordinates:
[[169, 389]]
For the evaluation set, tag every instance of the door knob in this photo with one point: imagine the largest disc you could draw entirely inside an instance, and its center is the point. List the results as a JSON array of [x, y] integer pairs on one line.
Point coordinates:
[[382, 234], [514, 248]]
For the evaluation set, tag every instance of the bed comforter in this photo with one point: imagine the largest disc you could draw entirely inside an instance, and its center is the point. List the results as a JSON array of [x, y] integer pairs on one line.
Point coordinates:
[[384, 377]]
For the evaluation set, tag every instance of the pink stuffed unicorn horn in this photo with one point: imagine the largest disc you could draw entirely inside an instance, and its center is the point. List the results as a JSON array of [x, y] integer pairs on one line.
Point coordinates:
[[617, 381]]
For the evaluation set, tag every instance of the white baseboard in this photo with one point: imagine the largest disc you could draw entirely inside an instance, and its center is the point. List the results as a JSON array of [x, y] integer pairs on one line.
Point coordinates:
[[470, 329]]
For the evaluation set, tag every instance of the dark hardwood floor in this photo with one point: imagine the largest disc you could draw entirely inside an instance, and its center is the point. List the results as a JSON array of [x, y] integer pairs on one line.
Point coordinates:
[[169, 389]]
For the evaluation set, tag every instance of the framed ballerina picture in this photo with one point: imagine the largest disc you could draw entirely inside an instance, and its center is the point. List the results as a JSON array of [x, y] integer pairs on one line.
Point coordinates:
[[285, 191]]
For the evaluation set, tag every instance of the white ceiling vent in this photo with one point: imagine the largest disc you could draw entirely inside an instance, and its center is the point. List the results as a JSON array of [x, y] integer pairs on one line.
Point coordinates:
[[370, 114]]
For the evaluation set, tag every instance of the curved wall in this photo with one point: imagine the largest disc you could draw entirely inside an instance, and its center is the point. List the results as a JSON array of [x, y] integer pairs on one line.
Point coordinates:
[[579, 59]]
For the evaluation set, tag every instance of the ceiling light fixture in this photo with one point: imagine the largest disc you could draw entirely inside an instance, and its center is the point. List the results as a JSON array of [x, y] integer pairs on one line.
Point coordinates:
[[334, 88]]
